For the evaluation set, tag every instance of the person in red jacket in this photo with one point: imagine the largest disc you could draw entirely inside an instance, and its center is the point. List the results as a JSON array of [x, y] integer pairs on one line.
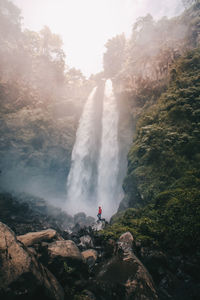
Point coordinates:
[[99, 213]]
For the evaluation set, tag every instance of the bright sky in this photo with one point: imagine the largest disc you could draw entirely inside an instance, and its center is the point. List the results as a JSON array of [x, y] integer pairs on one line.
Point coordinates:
[[86, 25]]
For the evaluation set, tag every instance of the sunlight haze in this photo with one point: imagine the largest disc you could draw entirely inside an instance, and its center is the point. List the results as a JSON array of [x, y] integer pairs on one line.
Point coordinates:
[[86, 25]]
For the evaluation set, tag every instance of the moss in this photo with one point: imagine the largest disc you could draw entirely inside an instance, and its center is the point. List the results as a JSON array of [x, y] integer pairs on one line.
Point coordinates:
[[163, 178], [68, 269]]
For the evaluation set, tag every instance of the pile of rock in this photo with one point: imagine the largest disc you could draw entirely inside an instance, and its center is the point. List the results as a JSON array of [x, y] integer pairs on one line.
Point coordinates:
[[44, 264]]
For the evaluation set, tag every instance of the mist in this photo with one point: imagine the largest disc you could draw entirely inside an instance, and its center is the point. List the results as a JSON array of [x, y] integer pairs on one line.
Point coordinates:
[[100, 20], [43, 98]]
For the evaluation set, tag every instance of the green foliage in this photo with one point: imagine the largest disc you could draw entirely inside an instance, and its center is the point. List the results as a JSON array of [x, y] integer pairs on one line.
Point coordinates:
[[163, 178], [114, 56], [166, 145], [68, 269], [172, 221]]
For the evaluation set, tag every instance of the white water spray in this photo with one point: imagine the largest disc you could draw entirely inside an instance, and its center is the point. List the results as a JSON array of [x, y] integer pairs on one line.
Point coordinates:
[[108, 167], [93, 177], [80, 178]]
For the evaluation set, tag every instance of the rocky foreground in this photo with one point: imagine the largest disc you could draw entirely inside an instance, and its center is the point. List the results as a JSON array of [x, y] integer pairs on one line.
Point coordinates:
[[59, 263], [44, 264], [45, 253]]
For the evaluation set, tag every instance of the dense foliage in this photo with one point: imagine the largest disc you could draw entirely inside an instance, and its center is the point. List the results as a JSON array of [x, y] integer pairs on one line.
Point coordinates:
[[160, 76], [163, 165]]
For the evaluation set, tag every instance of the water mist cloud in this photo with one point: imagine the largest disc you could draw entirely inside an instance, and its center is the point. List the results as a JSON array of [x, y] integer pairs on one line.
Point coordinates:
[[85, 26]]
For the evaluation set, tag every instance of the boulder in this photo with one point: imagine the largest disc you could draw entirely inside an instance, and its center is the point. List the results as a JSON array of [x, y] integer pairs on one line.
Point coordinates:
[[20, 273], [32, 238], [126, 239], [90, 256], [64, 249], [126, 270], [65, 260], [86, 242], [80, 218], [109, 248], [83, 220], [86, 295], [99, 225]]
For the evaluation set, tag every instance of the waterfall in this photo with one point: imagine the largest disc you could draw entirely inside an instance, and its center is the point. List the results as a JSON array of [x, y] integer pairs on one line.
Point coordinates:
[[80, 179], [93, 177], [108, 166]]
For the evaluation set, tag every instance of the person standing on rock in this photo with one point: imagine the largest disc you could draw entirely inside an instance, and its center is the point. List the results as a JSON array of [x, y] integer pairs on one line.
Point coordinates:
[[99, 213]]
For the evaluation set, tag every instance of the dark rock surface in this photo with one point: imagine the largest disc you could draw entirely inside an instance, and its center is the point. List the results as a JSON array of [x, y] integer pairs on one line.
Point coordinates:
[[21, 275], [32, 238], [25, 213], [50, 260], [125, 270], [90, 256]]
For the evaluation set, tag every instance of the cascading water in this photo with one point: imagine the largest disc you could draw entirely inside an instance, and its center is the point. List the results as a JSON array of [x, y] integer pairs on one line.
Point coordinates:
[[108, 167], [81, 178], [93, 177]]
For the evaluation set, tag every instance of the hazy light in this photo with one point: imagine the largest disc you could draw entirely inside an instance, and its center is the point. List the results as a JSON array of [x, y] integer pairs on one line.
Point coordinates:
[[86, 25]]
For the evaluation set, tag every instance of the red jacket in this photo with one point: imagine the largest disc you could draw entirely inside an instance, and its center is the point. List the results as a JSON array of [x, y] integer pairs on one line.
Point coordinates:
[[100, 211]]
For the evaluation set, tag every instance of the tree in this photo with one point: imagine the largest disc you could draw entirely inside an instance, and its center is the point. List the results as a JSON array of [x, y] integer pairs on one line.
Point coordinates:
[[10, 20], [114, 56], [188, 3]]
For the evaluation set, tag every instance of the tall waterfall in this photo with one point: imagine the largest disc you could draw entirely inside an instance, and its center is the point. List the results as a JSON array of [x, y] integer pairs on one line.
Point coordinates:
[[93, 177], [108, 166], [80, 179]]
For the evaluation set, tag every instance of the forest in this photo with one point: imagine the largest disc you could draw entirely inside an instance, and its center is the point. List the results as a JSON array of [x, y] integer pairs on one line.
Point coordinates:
[[41, 102]]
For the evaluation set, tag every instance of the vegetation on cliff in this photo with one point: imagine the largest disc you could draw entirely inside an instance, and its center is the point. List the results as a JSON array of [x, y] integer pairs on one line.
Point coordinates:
[[163, 179], [163, 176]]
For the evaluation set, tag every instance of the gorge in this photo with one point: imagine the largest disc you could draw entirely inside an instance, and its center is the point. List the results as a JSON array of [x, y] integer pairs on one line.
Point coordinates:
[[126, 138]]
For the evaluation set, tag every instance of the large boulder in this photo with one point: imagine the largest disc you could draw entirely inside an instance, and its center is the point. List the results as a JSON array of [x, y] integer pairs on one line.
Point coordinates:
[[63, 258], [99, 225], [32, 238], [64, 249], [86, 242], [90, 256], [83, 220], [20, 273], [126, 272]]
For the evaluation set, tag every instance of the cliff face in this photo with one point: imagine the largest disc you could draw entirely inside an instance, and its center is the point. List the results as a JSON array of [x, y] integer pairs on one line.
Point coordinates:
[[165, 149], [148, 56], [161, 206], [161, 202], [36, 139]]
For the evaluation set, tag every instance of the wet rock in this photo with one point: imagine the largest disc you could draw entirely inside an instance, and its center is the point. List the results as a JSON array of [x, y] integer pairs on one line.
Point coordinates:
[[25, 213], [20, 274], [65, 260], [110, 248], [126, 270], [99, 225], [86, 242], [65, 249], [83, 220], [90, 257], [80, 219], [125, 243], [86, 295], [32, 251], [31, 238]]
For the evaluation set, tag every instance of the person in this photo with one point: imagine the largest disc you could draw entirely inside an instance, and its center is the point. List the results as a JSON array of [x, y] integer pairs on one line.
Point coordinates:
[[99, 213]]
